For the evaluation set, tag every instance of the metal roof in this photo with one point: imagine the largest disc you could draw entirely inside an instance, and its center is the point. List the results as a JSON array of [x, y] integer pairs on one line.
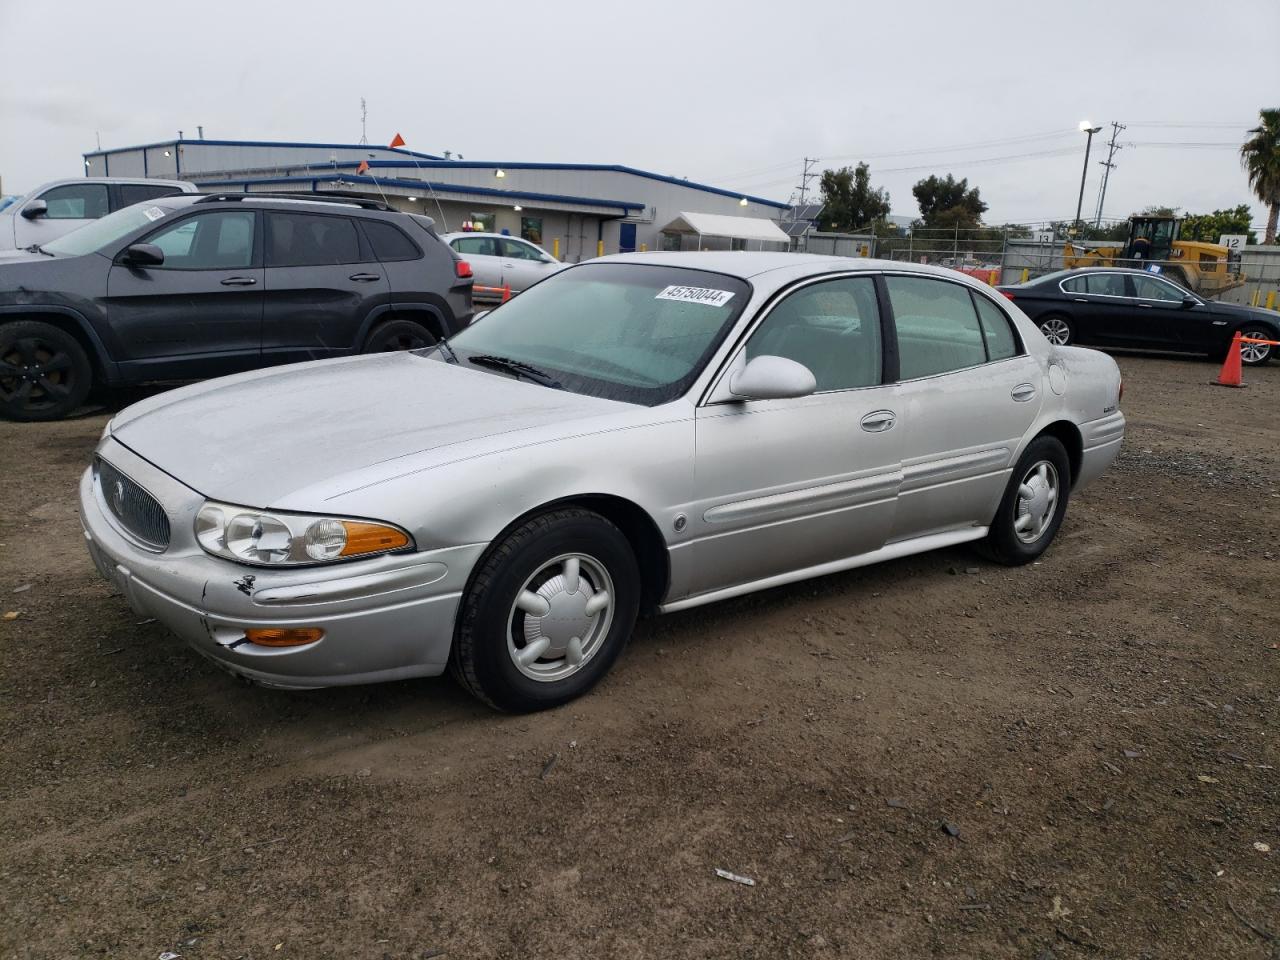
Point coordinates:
[[720, 225]]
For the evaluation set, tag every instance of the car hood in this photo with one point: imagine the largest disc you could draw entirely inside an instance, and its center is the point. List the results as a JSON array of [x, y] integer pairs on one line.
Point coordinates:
[[330, 425]]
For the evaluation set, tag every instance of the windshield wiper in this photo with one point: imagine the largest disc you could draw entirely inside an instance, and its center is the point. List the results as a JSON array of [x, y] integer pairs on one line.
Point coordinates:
[[36, 248], [447, 350], [518, 367]]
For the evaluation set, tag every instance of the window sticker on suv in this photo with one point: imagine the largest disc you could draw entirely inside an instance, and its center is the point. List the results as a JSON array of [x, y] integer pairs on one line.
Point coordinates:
[[714, 298], [153, 213]]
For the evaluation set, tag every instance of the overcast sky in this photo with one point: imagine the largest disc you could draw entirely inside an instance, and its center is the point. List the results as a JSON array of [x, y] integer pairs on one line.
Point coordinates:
[[732, 94]]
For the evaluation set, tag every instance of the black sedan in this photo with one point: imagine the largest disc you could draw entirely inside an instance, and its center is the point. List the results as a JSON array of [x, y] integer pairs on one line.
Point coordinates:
[[1132, 308]]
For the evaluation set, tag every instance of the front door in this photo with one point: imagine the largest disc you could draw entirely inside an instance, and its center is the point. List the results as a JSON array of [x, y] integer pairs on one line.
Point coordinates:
[[626, 238], [1161, 320], [523, 264], [968, 394], [198, 314], [68, 207], [784, 485], [322, 281]]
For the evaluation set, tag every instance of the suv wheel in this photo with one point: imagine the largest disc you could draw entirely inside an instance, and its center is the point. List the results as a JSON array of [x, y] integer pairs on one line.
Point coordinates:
[[44, 372], [397, 335]]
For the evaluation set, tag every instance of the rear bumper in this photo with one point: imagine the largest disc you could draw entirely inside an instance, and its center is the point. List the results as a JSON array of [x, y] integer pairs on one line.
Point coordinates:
[[1102, 439], [385, 618]]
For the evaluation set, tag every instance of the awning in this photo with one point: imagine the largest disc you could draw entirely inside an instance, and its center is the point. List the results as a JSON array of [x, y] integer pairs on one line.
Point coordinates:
[[733, 228]]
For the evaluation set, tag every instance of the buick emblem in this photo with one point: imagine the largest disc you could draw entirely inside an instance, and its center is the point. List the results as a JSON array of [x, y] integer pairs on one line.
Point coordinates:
[[117, 496]]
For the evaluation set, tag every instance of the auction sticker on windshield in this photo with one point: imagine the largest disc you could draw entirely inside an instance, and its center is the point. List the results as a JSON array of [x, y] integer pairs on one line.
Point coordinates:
[[153, 213], [714, 298]]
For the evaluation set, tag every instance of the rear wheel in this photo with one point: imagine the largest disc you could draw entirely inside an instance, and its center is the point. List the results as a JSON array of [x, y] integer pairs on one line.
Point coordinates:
[[547, 612], [1033, 506], [397, 335], [44, 372], [1057, 329], [1253, 354]]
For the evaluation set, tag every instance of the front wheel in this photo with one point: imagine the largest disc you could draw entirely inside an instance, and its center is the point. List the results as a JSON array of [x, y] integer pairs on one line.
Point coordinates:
[[397, 335], [1057, 330], [44, 372], [1253, 354], [547, 612], [1033, 506]]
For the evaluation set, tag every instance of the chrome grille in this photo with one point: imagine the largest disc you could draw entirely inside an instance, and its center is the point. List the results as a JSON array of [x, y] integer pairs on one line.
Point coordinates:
[[138, 511]]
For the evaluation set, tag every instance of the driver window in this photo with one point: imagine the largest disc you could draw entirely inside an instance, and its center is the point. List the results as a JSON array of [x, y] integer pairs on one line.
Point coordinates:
[[520, 251], [832, 328], [79, 201], [1149, 288], [207, 241]]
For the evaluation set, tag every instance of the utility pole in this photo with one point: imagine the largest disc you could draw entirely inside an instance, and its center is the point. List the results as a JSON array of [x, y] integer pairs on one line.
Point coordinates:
[[805, 177], [364, 119], [1112, 147]]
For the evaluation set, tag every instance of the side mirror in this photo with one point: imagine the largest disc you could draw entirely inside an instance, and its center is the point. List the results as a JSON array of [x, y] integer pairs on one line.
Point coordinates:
[[772, 378], [35, 209], [1190, 301], [143, 255]]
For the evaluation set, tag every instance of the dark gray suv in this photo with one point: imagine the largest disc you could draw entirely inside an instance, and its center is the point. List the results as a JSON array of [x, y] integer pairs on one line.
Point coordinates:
[[195, 286]]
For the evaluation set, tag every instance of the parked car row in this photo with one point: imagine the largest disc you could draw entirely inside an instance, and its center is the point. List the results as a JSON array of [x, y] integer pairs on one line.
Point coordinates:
[[1114, 307], [190, 286]]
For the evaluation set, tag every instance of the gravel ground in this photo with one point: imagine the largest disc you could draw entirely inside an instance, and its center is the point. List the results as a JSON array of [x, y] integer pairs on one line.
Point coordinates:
[[934, 757]]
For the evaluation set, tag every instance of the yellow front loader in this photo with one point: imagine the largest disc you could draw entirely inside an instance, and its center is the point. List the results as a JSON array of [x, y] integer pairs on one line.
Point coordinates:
[[1209, 269]]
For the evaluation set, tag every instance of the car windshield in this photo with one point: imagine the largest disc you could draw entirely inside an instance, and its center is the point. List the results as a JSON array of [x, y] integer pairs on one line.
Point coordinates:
[[638, 333], [101, 233]]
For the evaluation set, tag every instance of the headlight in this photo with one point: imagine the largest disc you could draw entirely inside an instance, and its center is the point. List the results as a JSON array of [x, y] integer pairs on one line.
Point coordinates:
[[288, 539]]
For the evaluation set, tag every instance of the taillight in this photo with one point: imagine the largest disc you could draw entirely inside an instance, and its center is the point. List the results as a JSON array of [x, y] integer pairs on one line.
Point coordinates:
[[462, 269], [1006, 294]]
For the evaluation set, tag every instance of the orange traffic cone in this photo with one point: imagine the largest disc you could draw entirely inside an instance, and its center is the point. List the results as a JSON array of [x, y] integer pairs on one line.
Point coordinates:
[[1230, 375], [506, 295]]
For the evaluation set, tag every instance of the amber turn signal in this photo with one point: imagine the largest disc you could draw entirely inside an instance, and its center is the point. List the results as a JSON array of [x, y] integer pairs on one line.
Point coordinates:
[[371, 538], [283, 636]]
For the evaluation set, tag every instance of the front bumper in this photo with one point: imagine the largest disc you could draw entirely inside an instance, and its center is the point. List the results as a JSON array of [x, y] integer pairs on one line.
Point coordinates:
[[384, 618]]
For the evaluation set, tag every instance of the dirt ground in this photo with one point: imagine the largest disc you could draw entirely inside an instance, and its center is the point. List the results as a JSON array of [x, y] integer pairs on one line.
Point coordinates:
[[932, 758]]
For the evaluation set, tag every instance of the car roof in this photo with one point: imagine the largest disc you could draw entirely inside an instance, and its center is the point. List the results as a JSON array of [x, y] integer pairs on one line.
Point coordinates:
[[478, 233], [183, 184], [746, 264]]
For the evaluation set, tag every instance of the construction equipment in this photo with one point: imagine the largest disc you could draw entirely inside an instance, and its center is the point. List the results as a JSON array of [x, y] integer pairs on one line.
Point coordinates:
[[1209, 269]]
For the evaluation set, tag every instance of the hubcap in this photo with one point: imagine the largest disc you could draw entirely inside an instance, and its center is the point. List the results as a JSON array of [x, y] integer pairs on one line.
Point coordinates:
[[1037, 498], [1055, 331], [560, 617], [1255, 352], [34, 374]]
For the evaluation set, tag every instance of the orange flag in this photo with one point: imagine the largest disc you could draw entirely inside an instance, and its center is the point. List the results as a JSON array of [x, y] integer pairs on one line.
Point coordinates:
[[397, 141], [364, 167]]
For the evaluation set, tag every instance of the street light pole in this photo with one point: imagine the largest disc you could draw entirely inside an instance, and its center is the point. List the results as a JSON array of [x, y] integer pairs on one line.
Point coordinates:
[[1085, 127]]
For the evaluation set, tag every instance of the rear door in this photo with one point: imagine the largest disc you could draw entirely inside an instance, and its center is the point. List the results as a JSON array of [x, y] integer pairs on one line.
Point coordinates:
[[968, 395], [1099, 303], [199, 314], [784, 485], [69, 207], [485, 257], [322, 281]]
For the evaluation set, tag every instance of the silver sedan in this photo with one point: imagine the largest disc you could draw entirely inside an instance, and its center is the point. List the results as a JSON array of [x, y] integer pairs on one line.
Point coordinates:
[[638, 433]]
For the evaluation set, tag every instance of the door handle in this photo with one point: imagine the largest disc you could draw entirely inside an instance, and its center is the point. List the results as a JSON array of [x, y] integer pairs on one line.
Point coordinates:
[[878, 421], [1145, 306], [365, 277], [1079, 299], [239, 282], [1023, 392]]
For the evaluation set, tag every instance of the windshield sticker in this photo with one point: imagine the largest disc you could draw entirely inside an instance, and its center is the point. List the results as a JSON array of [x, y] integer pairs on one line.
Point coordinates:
[[712, 298], [153, 213]]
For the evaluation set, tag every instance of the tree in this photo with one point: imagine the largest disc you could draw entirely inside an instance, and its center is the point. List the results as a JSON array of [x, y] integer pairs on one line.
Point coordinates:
[[1260, 156], [849, 200], [948, 202], [1210, 226]]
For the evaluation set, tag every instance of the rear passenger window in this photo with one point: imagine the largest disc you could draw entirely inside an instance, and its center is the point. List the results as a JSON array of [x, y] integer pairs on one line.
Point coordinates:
[[477, 246], [832, 328], [388, 242], [131, 193], [996, 330], [308, 240], [938, 329]]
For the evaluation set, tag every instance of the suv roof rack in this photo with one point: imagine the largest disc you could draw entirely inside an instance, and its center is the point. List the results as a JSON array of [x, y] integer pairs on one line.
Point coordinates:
[[350, 199]]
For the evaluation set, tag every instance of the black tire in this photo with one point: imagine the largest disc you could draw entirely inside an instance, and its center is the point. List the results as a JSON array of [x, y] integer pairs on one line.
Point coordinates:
[[1261, 353], [1056, 323], [394, 335], [482, 659], [44, 372], [1003, 543]]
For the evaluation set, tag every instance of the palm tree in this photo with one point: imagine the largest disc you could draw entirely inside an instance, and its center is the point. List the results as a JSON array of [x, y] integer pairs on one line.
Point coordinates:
[[1260, 156]]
